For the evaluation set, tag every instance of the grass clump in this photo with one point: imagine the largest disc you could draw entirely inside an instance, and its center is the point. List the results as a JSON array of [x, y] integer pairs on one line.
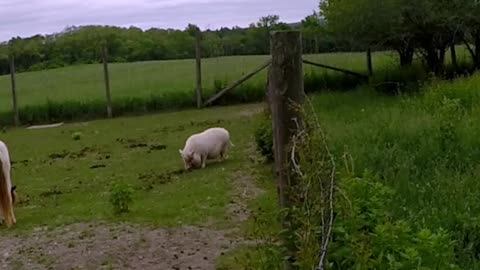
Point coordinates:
[[121, 198]]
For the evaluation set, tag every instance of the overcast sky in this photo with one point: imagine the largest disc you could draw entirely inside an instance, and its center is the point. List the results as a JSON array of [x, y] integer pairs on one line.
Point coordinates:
[[29, 17]]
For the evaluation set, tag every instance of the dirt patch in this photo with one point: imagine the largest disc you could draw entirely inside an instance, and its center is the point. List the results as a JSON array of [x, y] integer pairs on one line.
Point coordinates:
[[24, 162], [79, 154], [251, 112], [99, 246], [51, 192], [151, 178], [210, 123], [96, 166], [140, 143], [156, 147], [244, 190]]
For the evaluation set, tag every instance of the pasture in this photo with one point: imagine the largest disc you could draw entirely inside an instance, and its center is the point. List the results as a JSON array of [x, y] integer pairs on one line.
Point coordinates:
[[84, 83], [141, 79], [64, 184], [423, 148]]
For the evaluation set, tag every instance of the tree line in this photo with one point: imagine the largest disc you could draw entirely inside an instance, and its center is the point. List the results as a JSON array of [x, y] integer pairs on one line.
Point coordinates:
[[83, 45], [427, 28]]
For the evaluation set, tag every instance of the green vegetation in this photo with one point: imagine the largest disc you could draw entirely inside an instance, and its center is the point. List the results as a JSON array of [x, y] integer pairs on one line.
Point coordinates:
[[83, 44], [121, 198], [426, 27], [77, 92], [71, 180], [407, 194], [407, 166]]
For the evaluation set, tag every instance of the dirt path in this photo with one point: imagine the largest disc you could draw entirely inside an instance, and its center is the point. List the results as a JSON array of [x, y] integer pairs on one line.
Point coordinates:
[[106, 246]]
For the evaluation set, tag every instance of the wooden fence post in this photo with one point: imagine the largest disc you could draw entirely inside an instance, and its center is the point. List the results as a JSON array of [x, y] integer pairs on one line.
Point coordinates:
[[107, 80], [198, 67], [16, 117], [285, 94], [369, 61]]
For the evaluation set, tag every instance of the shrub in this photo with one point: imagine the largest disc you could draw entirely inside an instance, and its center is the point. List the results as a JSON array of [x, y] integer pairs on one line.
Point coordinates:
[[77, 136], [366, 236], [121, 198], [264, 138]]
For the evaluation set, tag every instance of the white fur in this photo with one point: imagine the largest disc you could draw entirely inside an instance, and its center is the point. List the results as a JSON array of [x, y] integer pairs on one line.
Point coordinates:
[[5, 163], [210, 144]]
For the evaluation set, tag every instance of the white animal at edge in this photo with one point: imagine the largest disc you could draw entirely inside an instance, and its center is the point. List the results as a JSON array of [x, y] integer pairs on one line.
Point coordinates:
[[7, 191], [212, 143]]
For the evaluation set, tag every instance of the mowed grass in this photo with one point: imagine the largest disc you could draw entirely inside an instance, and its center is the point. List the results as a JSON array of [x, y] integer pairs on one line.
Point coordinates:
[[57, 189], [142, 79]]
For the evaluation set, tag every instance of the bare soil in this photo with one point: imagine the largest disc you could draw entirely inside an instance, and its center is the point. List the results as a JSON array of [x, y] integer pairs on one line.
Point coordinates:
[[119, 246]]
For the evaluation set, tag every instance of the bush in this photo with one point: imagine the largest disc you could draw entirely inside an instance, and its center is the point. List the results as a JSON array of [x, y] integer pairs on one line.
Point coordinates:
[[121, 198], [366, 236], [76, 136], [264, 138]]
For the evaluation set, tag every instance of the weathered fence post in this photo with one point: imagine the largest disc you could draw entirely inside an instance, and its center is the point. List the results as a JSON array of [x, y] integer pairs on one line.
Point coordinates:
[[107, 80], [369, 61], [198, 68], [16, 117], [285, 94]]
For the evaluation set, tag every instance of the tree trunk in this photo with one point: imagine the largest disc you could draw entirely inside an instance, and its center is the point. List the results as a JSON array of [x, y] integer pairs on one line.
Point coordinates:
[[406, 56], [435, 58], [453, 55], [369, 61], [441, 56], [476, 57]]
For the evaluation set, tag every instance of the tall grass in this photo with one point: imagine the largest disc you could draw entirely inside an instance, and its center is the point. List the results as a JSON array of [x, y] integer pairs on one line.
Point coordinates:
[[426, 147]]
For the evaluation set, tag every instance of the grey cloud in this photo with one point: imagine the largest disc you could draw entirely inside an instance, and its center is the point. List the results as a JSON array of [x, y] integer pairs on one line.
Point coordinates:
[[26, 18]]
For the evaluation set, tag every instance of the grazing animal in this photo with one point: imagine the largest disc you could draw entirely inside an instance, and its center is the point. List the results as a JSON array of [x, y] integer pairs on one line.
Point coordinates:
[[210, 144], [7, 191]]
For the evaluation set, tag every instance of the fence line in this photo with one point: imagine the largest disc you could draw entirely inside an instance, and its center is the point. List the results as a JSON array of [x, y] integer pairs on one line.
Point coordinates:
[[346, 71], [199, 99], [237, 83]]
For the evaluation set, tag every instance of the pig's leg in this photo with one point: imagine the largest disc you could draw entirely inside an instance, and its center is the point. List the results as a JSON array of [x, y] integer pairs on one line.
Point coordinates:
[[204, 160], [223, 153]]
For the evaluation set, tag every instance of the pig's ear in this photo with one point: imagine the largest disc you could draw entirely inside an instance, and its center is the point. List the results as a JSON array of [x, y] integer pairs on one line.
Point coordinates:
[[180, 151]]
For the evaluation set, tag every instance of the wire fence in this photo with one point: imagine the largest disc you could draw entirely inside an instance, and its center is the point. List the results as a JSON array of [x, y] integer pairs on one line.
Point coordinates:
[[218, 75]]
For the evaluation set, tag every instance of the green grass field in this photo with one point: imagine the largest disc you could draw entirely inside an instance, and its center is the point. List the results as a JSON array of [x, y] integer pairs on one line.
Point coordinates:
[[58, 185], [77, 92], [142, 79]]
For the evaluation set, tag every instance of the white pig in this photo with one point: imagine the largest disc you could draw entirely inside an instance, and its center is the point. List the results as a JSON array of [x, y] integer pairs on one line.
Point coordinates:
[[209, 144]]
